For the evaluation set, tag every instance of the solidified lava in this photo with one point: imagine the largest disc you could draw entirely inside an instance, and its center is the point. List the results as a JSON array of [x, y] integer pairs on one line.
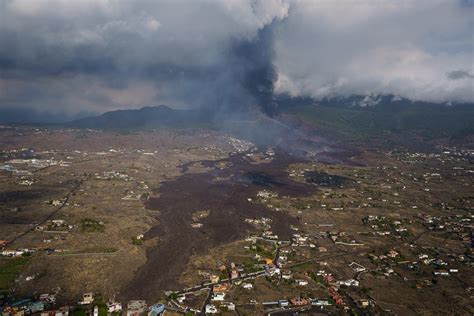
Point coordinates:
[[228, 204], [324, 179]]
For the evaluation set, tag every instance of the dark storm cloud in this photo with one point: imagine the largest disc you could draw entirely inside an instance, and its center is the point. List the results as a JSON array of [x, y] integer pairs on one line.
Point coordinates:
[[459, 74], [131, 54], [98, 55]]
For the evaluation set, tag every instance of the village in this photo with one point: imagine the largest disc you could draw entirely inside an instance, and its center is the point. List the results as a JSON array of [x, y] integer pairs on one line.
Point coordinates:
[[380, 222]]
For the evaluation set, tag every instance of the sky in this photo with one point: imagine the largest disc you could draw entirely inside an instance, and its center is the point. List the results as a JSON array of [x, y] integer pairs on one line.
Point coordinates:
[[98, 55]]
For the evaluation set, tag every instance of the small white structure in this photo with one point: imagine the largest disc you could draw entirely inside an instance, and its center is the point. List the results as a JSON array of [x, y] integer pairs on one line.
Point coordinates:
[[247, 286], [219, 297], [211, 309], [114, 307], [87, 298]]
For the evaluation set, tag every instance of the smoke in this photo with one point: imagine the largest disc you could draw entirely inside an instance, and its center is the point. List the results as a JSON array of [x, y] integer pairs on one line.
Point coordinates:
[[256, 56]]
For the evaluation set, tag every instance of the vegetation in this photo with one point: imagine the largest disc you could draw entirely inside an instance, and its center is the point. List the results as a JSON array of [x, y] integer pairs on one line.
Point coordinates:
[[173, 296], [387, 123], [91, 226], [79, 311], [137, 241], [99, 302], [9, 269], [261, 250]]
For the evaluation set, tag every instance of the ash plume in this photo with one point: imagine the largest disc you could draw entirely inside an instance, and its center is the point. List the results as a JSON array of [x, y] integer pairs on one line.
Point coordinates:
[[256, 57]]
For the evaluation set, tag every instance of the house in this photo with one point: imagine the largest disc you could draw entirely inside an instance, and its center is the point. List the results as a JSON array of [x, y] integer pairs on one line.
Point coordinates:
[[320, 302], [392, 254], [441, 272], [59, 312], [156, 309], [298, 301], [283, 303], [363, 303], [58, 222], [230, 306], [136, 307], [218, 297], [12, 253], [247, 286], [234, 274], [114, 307], [218, 288], [87, 298], [48, 298], [301, 282], [211, 309], [271, 270], [350, 282], [34, 307], [62, 311], [286, 275], [268, 261], [214, 278]]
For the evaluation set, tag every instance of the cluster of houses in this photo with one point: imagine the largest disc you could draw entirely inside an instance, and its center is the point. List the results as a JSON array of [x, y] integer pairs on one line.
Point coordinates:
[[383, 226], [459, 226], [45, 304], [24, 167], [110, 175], [240, 145]]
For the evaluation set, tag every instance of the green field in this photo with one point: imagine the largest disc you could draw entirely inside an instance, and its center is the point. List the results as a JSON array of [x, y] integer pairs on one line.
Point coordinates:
[[9, 269]]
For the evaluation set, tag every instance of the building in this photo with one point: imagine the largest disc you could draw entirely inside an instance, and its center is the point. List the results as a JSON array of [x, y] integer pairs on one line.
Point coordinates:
[[363, 303], [214, 278], [156, 309], [230, 305], [301, 282], [218, 288], [114, 307], [219, 297], [283, 303], [247, 286], [298, 301], [87, 298], [211, 309], [136, 307]]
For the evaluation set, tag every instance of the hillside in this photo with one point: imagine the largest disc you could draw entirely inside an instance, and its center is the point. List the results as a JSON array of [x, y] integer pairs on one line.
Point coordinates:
[[147, 117], [399, 122]]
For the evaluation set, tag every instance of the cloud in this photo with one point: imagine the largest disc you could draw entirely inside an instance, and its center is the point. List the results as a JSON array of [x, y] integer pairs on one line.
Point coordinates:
[[360, 47], [98, 55], [459, 74]]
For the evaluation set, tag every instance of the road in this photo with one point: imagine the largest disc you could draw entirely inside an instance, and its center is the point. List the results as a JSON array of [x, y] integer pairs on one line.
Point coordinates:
[[50, 215]]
